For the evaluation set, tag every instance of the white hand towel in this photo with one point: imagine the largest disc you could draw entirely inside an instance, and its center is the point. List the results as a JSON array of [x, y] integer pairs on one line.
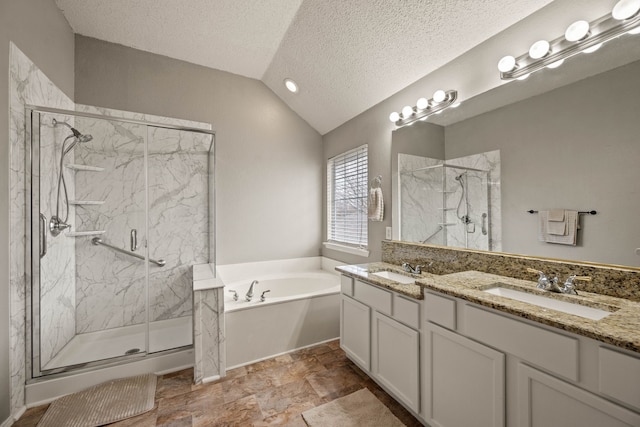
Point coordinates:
[[557, 223], [375, 208], [572, 225]]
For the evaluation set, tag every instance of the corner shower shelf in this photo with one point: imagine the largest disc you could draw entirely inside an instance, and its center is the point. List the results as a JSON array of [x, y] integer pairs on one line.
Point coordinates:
[[447, 209], [86, 202], [83, 168], [447, 223], [85, 233]]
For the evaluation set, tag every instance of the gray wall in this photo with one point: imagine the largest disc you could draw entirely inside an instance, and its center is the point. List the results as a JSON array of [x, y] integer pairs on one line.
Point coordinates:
[[38, 28], [268, 160], [575, 147]]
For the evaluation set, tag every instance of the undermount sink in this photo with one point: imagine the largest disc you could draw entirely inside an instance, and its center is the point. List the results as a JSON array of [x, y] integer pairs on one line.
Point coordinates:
[[553, 304], [396, 277]]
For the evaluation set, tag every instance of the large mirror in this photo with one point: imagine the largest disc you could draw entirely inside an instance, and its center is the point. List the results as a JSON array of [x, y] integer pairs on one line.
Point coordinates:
[[576, 147]]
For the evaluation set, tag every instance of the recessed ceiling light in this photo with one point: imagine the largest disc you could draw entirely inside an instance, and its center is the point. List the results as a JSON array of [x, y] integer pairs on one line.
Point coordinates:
[[291, 85]]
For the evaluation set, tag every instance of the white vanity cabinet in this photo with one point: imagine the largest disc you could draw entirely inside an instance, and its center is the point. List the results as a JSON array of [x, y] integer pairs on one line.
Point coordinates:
[[463, 380], [485, 367], [379, 332]]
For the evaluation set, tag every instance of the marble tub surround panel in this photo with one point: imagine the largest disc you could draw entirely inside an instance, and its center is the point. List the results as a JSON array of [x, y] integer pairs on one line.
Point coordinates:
[[621, 328], [613, 281], [422, 200], [208, 327], [365, 272], [27, 86]]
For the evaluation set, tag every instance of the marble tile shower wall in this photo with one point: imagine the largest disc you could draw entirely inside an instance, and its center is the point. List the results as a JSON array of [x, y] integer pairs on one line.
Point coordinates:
[[110, 287], [178, 179], [58, 267], [27, 85], [422, 200]]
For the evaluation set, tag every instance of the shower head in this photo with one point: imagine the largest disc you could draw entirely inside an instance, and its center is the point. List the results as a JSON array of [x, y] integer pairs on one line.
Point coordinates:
[[459, 177], [80, 137]]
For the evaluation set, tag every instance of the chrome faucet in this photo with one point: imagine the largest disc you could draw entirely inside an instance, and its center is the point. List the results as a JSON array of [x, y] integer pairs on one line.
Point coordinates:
[[409, 269], [569, 287], [249, 294], [545, 283]]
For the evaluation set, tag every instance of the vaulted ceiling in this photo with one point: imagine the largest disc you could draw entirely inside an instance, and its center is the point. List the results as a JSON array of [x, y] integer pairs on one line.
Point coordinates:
[[346, 55]]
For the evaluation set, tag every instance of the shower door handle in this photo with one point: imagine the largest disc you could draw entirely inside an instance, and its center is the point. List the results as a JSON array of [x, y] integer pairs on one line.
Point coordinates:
[[134, 239], [43, 235]]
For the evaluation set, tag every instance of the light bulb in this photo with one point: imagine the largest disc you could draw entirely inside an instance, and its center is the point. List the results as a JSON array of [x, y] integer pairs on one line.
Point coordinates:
[[506, 64], [439, 96], [407, 112], [556, 64], [577, 31], [593, 48], [394, 117], [625, 9], [634, 31], [539, 49], [422, 104], [291, 85], [524, 77]]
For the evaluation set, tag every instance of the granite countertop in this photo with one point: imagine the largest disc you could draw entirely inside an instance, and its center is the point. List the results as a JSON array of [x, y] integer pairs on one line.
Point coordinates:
[[621, 328]]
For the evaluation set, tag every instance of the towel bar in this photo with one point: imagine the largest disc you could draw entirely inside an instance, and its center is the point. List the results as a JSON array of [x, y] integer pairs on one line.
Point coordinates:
[[531, 211]]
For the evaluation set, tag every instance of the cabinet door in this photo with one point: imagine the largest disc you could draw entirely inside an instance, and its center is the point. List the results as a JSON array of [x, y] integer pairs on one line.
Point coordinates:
[[544, 401], [355, 331], [464, 381], [395, 359]]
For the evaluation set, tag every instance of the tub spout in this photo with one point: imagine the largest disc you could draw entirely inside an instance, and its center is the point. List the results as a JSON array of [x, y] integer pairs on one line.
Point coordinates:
[[250, 291]]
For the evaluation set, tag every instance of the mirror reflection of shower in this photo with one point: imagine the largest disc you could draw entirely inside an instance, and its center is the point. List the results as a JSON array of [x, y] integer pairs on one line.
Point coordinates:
[[448, 203], [57, 224]]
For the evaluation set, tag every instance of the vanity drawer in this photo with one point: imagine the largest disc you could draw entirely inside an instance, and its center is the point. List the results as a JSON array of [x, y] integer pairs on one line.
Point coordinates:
[[373, 296], [346, 285], [406, 311], [440, 310], [549, 350], [619, 376]]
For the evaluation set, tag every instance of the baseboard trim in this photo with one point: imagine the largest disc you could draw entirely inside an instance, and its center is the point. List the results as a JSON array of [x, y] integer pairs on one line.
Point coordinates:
[[14, 417]]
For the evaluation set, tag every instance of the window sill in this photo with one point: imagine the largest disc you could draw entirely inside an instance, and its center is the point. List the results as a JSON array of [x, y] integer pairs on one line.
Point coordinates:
[[348, 249]]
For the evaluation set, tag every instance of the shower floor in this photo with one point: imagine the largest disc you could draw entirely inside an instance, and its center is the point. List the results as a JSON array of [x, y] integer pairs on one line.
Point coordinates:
[[101, 345]]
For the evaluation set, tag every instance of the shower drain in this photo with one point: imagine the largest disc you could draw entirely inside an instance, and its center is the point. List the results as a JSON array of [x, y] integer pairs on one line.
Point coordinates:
[[132, 351]]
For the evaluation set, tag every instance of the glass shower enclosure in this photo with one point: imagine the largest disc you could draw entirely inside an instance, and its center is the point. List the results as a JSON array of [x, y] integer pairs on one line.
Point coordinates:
[[119, 211], [445, 204]]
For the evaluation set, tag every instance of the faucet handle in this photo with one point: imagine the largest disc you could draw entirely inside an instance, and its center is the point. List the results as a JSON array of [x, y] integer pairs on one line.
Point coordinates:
[[262, 297], [235, 294]]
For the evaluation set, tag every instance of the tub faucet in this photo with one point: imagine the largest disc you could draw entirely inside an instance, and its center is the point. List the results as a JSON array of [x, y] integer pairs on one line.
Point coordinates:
[[250, 291]]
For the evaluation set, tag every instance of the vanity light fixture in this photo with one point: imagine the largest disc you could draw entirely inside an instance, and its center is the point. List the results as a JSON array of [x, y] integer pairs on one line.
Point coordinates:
[[580, 36], [291, 85], [425, 108]]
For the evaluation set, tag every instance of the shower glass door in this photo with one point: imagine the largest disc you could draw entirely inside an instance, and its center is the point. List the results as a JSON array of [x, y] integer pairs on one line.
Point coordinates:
[[90, 265]]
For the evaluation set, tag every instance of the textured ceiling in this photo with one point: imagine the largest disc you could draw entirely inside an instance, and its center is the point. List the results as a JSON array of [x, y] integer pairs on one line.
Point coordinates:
[[346, 55]]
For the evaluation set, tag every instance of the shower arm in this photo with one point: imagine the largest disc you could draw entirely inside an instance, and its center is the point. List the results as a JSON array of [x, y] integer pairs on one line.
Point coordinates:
[[98, 241]]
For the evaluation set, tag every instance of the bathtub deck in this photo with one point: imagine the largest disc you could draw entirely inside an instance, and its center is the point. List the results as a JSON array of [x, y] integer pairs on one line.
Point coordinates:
[[271, 392]]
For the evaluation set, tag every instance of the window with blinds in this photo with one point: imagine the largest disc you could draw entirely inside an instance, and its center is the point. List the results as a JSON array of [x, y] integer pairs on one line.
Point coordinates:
[[347, 186]]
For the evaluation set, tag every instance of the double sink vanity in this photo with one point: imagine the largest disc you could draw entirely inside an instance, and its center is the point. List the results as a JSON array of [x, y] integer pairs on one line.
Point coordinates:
[[470, 348]]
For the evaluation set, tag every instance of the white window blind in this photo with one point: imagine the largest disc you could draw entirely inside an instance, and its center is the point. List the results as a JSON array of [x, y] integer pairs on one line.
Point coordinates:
[[347, 186]]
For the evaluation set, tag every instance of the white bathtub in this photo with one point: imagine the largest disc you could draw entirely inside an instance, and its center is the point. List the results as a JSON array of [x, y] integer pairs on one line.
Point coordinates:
[[302, 308]]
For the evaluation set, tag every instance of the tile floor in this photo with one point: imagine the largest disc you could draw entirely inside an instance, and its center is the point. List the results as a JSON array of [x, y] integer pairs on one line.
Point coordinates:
[[271, 392]]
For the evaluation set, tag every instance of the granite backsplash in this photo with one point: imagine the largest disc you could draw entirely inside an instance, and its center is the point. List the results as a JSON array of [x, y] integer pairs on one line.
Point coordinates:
[[606, 280]]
